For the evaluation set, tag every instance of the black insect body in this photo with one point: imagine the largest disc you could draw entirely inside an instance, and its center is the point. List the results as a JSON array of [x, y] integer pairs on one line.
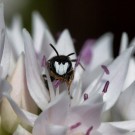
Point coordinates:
[[60, 68]]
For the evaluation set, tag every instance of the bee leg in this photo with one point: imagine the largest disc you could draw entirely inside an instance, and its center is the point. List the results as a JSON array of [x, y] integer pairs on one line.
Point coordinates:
[[69, 84], [45, 81], [70, 94]]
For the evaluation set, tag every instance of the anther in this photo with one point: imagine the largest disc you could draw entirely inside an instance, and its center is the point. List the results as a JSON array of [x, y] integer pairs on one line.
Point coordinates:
[[106, 87], [105, 69], [89, 130], [75, 125], [85, 96]]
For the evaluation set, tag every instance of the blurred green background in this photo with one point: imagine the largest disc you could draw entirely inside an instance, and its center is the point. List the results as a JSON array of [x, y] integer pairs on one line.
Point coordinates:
[[84, 18]]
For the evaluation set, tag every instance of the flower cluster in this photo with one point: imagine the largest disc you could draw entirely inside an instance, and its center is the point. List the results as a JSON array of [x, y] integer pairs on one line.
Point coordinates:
[[33, 105]]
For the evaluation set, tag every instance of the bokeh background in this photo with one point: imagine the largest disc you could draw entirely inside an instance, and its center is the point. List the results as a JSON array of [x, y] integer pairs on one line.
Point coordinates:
[[84, 18]]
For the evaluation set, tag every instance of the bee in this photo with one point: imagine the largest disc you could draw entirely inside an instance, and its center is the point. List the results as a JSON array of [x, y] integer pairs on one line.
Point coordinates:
[[60, 67]]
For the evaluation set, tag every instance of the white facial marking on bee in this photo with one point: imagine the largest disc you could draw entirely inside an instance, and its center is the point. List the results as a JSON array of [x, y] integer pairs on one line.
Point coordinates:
[[61, 68]]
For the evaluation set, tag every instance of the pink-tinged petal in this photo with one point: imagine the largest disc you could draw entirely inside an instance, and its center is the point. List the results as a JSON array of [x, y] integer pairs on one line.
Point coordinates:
[[21, 131], [64, 45], [96, 133], [42, 36], [86, 52], [2, 30], [35, 84], [124, 42], [118, 72], [20, 92], [127, 98], [15, 36], [102, 50], [108, 129], [87, 115], [50, 129], [55, 113]]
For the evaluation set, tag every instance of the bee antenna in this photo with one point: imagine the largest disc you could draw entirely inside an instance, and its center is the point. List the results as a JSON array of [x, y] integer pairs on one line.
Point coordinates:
[[54, 49], [70, 54]]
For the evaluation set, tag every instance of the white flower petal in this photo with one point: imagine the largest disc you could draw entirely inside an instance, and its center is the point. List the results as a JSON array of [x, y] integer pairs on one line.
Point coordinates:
[[15, 36], [130, 74], [32, 117], [4, 88], [4, 92], [55, 113], [107, 129], [19, 112], [102, 50], [20, 92], [92, 86], [2, 30], [5, 61], [118, 72], [50, 129], [87, 115], [21, 131], [90, 75], [42, 36], [124, 42], [127, 125], [35, 84], [127, 98], [64, 45]]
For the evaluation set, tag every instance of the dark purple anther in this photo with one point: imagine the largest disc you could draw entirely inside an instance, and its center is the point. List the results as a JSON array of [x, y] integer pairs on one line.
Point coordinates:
[[85, 96], [75, 125], [89, 130], [105, 69], [106, 87]]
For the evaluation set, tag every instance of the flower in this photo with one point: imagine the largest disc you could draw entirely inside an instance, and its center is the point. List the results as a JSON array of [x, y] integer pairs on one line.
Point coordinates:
[[37, 109]]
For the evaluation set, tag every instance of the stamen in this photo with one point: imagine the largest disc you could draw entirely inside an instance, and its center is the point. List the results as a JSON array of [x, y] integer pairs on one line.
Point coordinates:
[[56, 83], [106, 87], [75, 125], [105, 69], [89, 130], [85, 96], [77, 62], [43, 62]]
